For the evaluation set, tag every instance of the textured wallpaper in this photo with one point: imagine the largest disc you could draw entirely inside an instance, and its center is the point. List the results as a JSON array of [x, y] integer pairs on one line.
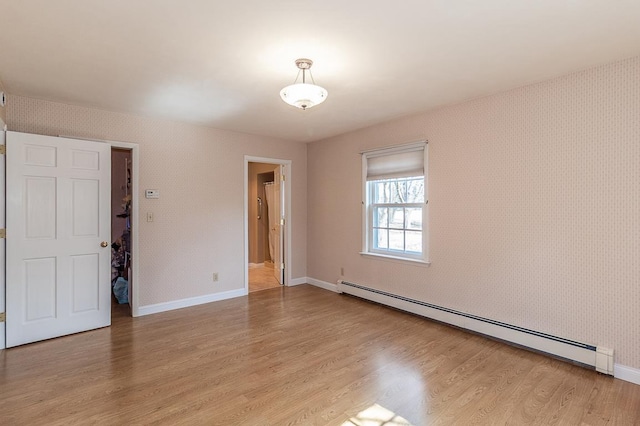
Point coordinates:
[[198, 225], [534, 208]]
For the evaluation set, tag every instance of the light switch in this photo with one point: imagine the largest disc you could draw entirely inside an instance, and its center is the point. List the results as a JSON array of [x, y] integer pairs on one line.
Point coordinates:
[[149, 216]]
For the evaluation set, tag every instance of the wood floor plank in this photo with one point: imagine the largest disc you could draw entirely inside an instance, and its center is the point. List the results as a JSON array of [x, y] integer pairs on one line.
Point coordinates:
[[297, 356]]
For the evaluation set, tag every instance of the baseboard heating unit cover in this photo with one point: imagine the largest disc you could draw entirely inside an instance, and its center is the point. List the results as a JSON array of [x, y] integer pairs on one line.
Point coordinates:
[[589, 355]]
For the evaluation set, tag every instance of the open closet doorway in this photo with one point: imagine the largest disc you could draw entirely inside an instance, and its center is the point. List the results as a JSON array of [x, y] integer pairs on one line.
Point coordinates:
[[266, 225], [121, 231]]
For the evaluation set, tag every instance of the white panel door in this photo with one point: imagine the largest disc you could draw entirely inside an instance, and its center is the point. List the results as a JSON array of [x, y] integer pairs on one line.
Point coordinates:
[[278, 210], [58, 232]]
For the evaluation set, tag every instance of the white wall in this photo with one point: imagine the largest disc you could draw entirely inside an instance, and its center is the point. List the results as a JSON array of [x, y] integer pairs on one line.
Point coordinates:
[[534, 208], [198, 225]]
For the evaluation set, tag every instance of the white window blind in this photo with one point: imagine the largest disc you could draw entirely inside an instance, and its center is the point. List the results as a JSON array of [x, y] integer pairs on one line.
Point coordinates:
[[396, 164]]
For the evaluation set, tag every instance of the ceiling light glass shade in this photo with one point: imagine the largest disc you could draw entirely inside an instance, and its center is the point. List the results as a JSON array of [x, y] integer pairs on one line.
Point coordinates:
[[303, 95]]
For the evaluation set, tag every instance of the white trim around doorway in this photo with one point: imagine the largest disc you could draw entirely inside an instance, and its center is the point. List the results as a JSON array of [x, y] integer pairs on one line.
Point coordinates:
[[2, 242], [287, 215]]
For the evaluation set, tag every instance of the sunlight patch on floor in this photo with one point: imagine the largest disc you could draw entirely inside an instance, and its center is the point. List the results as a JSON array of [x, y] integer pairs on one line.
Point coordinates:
[[376, 415]]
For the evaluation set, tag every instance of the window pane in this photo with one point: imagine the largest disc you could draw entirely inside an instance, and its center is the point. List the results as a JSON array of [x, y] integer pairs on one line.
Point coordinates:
[[414, 241], [414, 218], [381, 238], [398, 192], [415, 191], [381, 217], [396, 217], [396, 240], [397, 230], [380, 191]]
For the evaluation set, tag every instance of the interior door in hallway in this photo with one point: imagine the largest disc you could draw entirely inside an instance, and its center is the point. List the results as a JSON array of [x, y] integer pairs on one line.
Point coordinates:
[[278, 230], [58, 233]]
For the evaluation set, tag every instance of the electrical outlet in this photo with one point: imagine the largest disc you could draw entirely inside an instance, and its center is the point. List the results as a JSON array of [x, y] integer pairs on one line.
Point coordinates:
[[215, 277]]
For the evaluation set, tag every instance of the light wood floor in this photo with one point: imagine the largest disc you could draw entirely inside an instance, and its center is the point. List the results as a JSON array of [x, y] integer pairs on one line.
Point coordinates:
[[262, 278], [297, 355]]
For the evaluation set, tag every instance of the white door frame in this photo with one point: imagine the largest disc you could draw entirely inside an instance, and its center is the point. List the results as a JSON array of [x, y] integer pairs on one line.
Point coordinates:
[[3, 289], [287, 215]]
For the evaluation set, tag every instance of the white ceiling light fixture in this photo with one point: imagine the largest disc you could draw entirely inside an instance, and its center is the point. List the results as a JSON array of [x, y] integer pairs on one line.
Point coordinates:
[[303, 95]]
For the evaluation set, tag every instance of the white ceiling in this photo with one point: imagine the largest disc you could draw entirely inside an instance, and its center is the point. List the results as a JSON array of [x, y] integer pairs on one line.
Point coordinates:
[[223, 63]]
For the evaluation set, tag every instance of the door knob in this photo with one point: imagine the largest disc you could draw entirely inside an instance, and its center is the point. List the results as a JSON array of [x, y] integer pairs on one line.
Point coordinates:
[[104, 244]]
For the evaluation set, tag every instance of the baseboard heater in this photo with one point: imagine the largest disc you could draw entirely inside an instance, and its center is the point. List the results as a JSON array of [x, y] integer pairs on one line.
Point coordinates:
[[588, 355]]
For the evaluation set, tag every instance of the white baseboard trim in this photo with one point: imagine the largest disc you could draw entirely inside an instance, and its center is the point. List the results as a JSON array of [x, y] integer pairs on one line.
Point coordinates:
[[563, 348], [297, 281], [323, 284], [628, 374], [192, 301]]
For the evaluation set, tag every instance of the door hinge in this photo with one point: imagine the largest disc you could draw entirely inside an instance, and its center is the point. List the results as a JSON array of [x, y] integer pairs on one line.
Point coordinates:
[[3, 150], [282, 221], [3, 233], [3, 317], [282, 178], [282, 266]]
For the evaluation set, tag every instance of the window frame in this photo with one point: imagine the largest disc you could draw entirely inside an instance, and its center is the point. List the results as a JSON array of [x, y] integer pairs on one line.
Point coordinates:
[[368, 206], [374, 226]]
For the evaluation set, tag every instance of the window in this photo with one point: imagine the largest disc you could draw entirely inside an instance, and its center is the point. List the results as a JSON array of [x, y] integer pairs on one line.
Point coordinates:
[[396, 215], [395, 205]]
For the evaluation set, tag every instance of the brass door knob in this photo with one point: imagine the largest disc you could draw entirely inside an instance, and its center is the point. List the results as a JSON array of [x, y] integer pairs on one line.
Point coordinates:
[[104, 244]]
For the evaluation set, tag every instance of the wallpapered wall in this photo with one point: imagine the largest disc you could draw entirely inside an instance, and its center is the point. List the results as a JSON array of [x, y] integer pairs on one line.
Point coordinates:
[[534, 208], [198, 225]]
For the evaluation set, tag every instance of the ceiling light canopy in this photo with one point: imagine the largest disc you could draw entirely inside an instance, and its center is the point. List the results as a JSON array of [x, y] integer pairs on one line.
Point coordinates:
[[303, 95]]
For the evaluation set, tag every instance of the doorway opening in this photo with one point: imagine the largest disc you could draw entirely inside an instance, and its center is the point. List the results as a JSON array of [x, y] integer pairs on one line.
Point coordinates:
[[266, 225], [121, 231]]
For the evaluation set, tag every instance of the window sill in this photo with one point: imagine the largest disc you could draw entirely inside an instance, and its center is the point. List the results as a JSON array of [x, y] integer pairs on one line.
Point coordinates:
[[416, 262]]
